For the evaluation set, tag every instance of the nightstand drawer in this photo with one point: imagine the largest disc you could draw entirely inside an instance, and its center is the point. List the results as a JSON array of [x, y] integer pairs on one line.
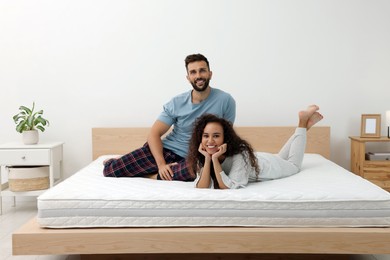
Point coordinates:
[[25, 157]]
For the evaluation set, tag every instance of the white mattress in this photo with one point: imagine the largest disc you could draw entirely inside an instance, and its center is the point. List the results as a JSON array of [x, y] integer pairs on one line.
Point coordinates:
[[323, 194]]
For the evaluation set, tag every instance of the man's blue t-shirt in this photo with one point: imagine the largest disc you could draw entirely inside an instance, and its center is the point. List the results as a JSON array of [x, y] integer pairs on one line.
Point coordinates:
[[181, 113]]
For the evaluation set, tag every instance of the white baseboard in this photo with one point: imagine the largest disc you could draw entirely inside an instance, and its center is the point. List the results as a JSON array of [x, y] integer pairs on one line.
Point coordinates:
[[18, 198]]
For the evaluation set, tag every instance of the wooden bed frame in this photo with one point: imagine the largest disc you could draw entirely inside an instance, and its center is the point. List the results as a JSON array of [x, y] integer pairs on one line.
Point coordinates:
[[201, 242]]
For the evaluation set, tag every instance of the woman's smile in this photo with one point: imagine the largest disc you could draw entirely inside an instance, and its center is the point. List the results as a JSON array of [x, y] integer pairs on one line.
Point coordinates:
[[212, 137]]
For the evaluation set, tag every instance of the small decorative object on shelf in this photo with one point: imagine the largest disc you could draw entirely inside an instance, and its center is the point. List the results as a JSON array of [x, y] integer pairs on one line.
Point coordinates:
[[28, 178], [29, 122], [371, 125], [388, 123], [378, 156]]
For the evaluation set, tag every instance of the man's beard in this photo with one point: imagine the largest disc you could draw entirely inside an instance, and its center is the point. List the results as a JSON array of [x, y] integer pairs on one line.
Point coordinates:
[[205, 85]]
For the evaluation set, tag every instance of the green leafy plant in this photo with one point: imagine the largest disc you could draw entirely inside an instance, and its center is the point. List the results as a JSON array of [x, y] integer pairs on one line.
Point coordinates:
[[27, 119]]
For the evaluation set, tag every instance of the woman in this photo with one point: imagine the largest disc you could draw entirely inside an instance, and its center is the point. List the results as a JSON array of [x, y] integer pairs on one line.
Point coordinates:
[[221, 159]]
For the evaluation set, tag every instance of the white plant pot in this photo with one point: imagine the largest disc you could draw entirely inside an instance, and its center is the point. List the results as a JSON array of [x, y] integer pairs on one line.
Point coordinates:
[[30, 137]]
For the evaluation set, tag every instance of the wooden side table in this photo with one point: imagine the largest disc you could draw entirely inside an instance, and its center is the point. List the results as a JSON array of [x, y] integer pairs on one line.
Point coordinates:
[[377, 172], [18, 154]]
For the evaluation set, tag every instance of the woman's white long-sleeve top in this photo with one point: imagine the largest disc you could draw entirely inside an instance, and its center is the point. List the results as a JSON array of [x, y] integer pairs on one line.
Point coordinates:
[[236, 173]]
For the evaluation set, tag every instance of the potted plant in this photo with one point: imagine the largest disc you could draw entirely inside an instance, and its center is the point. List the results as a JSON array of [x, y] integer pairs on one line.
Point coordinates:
[[29, 122]]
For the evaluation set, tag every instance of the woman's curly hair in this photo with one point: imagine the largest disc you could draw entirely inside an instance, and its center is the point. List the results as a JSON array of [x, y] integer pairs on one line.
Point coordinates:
[[235, 144]]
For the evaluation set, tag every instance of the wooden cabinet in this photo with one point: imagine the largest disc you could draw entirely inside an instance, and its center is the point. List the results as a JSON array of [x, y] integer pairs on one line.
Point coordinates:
[[17, 154], [377, 172]]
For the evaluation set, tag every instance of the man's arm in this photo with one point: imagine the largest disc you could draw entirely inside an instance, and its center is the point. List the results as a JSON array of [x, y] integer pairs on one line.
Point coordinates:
[[156, 147], [231, 111]]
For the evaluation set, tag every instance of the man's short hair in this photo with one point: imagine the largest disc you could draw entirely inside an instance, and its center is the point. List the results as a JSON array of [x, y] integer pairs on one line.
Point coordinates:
[[196, 57]]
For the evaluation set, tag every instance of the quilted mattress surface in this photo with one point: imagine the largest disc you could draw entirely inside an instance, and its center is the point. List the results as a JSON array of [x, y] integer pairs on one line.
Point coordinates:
[[323, 194]]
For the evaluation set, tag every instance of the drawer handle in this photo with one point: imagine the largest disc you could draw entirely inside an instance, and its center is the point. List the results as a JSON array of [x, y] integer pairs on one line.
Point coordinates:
[[24, 157]]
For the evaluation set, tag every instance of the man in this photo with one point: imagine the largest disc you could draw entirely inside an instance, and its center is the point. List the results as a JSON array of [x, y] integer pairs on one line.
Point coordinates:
[[165, 158]]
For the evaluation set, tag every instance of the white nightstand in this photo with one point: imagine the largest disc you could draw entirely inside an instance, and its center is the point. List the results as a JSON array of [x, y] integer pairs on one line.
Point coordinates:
[[18, 154]]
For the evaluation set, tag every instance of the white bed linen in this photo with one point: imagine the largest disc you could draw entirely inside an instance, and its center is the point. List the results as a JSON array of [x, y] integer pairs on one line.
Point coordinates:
[[323, 194]]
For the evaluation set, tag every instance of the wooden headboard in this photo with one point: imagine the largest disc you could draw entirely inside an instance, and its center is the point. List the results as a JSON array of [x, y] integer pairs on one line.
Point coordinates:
[[262, 138]]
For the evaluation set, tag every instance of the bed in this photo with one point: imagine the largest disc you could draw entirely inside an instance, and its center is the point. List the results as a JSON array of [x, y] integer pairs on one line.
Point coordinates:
[[234, 241]]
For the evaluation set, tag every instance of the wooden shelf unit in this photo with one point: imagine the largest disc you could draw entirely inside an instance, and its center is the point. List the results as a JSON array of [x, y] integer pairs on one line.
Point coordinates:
[[377, 172]]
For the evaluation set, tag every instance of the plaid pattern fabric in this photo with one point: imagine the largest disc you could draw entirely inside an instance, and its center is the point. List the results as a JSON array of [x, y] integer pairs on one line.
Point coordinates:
[[140, 162]]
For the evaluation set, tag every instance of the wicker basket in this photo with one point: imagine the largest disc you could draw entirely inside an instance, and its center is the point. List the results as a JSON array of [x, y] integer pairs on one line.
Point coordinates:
[[28, 178]]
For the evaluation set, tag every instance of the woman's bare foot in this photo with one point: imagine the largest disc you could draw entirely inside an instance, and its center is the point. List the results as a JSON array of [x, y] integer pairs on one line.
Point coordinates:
[[309, 117], [314, 119]]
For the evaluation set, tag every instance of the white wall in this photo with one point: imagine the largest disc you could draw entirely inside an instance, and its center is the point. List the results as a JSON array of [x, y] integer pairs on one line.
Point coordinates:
[[115, 63]]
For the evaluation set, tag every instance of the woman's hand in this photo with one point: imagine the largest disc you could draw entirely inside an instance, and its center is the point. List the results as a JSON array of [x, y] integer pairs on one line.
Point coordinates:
[[202, 150], [222, 149]]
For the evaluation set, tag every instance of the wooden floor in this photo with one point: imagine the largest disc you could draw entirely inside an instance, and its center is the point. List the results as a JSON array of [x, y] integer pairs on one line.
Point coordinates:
[[14, 217], [11, 219]]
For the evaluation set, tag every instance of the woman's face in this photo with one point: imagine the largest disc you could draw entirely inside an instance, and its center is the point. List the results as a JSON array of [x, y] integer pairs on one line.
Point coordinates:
[[212, 137]]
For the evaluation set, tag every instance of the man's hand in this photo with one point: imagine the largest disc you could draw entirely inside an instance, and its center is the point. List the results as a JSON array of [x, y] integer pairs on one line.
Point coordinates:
[[166, 172]]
